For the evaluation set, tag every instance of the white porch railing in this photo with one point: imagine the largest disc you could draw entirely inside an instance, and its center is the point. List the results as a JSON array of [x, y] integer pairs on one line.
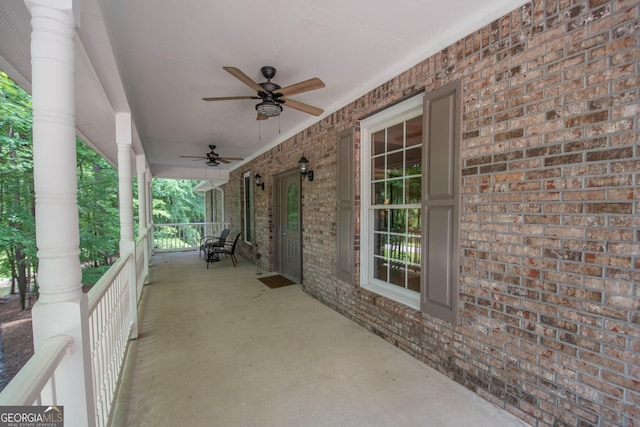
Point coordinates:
[[109, 330], [141, 265], [35, 382], [184, 236], [110, 321]]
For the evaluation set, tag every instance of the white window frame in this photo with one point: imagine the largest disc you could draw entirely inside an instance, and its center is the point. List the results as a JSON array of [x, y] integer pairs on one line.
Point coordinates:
[[403, 111]]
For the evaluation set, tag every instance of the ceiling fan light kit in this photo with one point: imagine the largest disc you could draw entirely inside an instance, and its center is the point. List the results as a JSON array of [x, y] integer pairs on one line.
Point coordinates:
[[269, 109]]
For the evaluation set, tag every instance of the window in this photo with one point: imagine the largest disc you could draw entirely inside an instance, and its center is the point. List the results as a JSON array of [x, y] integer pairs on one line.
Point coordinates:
[[410, 198], [248, 210], [293, 209], [392, 193]]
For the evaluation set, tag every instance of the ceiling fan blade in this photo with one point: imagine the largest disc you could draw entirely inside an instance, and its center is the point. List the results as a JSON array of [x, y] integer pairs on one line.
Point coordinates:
[[220, 159], [261, 117], [306, 108], [243, 78], [305, 86], [231, 158], [194, 157], [229, 98]]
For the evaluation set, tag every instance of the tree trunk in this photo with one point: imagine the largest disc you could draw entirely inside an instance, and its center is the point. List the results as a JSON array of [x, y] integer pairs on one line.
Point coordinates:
[[14, 273], [22, 276]]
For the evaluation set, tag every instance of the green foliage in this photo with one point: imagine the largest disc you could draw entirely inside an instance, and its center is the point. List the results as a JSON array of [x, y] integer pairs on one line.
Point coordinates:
[[174, 201], [97, 191], [17, 225], [98, 207], [91, 275]]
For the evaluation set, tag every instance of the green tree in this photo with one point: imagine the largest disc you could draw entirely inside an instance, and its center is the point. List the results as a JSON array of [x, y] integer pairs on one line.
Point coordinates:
[[97, 206], [174, 201], [98, 203], [97, 194], [17, 225]]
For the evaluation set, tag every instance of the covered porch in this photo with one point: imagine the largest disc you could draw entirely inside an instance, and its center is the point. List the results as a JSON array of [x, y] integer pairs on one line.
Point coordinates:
[[218, 347], [536, 295]]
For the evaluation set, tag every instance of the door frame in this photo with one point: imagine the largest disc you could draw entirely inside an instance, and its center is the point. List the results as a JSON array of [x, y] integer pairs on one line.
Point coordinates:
[[278, 212]]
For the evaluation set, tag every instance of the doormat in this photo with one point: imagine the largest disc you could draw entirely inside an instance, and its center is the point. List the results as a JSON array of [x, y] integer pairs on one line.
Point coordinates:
[[276, 281]]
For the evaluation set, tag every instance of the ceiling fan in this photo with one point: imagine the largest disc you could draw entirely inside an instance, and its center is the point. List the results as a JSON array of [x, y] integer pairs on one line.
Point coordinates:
[[213, 158], [272, 96]]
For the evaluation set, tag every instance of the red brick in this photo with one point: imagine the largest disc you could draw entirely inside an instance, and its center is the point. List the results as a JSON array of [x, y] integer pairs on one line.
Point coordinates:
[[609, 208]]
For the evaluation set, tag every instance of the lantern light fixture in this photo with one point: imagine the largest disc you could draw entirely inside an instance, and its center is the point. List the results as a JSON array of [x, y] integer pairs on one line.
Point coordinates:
[[304, 168], [259, 181]]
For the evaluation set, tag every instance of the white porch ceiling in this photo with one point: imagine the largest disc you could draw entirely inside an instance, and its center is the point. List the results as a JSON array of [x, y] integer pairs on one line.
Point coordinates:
[[157, 59]]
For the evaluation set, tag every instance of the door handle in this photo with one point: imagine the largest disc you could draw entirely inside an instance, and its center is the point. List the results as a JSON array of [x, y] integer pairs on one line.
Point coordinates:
[[284, 234]]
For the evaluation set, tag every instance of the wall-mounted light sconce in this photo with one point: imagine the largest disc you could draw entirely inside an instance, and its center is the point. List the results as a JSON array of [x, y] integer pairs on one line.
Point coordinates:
[[259, 182], [304, 168]]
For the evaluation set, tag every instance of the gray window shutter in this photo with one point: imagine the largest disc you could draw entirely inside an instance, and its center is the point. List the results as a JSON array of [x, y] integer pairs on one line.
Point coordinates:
[[442, 111], [345, 228]]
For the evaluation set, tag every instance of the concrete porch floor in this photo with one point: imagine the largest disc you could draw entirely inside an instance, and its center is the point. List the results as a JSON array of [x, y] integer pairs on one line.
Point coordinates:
[[219, 348]]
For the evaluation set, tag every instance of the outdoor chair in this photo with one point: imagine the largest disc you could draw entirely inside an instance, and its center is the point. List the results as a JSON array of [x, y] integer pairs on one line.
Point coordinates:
[[213, 254], [212, 241]]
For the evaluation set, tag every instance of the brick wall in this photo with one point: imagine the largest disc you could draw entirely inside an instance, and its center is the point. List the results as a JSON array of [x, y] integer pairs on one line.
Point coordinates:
[[550, 232]]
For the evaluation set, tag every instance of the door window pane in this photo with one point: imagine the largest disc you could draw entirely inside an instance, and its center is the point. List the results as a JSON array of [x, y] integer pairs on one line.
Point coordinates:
[[293, 208]]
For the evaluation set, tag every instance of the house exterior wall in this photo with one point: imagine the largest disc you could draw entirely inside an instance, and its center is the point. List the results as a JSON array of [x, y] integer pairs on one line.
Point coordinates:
[[549, 235]]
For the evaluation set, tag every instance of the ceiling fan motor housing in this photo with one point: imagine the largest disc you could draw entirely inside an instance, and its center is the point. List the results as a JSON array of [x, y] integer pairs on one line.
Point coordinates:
[[268, 72]]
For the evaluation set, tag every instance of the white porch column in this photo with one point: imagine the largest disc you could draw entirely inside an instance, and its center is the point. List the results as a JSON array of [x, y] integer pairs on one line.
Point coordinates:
[[125, 187], [141, 165], [62, 306]]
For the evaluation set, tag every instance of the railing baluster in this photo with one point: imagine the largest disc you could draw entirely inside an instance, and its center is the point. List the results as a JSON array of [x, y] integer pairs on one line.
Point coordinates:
[[183, 237], [110, 326]]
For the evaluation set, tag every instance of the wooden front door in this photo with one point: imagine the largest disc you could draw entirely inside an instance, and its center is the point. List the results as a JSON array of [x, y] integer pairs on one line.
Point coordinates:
[[288, 228]]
